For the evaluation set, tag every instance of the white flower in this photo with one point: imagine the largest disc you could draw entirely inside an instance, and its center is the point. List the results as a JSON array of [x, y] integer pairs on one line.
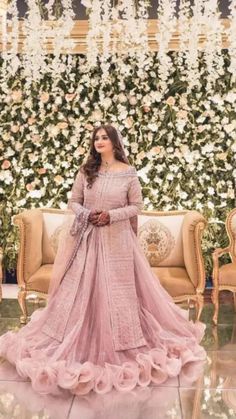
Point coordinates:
[[183, 195], [199, 206], [234, 147], [22, 202], [96, 115], [208, 148], [27, 172], [6, 176], [210, 205], [63, 205], [58, 100], [153, 127], [231, 97], [35, 194], [132, 100], [230, 127], [211, 190], [53, 130], [122, 98]]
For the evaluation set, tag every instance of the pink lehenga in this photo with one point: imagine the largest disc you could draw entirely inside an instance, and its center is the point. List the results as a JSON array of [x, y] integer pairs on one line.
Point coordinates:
[[108, 322]]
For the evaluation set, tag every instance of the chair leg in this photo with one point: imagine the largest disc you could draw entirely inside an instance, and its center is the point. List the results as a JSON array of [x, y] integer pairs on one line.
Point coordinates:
[[199, 306], [215, 301], [22, 301]]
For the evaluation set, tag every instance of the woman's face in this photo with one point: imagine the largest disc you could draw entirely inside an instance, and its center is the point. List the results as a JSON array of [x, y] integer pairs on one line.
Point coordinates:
[[102, 142]]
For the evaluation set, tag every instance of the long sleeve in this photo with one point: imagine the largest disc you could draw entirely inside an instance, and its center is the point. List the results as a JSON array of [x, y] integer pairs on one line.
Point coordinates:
[[75, 204], [134, 206]]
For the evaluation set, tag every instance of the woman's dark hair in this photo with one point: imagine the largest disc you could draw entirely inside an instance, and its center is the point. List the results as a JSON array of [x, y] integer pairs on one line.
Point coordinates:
[[91, 167]]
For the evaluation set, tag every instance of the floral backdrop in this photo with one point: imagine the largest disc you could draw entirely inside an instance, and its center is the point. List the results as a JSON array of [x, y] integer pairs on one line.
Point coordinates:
[[182, 143]]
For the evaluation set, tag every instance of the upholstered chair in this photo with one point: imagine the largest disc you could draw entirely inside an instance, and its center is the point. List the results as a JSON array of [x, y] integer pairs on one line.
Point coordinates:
[[171, 242], [224, 277], [39, 232]]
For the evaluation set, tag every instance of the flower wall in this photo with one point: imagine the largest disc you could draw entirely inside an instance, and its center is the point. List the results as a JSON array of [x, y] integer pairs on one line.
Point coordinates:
[[182, 143]]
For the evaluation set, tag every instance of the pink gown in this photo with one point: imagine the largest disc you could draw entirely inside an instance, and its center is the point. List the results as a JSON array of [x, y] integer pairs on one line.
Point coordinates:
[[108, 322]]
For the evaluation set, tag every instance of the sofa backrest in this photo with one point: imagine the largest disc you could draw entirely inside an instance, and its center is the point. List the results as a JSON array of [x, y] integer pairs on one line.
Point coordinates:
[[160, 236], [52, 222]]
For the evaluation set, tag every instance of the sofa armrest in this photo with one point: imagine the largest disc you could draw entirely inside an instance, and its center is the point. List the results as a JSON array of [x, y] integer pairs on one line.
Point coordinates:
[[193, 226], [30, 223]]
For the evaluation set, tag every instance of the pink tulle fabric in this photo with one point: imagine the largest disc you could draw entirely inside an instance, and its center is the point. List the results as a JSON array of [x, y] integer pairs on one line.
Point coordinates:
[[86, 359]]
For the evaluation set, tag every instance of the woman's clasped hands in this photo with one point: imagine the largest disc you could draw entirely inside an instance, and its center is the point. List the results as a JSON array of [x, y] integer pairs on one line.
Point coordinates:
[[99, 218]]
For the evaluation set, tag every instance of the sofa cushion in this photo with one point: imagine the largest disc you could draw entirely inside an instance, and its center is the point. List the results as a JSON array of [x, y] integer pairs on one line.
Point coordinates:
[[227, 274], [175, 280], [40, 280]]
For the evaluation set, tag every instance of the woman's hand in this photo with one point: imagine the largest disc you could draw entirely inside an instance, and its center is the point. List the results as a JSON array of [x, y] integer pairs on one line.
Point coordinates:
[[103, 219], [93, 216]]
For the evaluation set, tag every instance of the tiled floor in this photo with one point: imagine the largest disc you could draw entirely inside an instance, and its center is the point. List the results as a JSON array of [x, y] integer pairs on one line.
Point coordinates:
[[210, 394]]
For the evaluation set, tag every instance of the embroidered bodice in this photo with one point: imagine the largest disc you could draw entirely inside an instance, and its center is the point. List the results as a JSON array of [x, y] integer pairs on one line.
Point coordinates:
[[116, 192]]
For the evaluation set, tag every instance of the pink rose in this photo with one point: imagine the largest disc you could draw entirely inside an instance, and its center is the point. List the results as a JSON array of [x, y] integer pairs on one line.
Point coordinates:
[[31, 121], [58, 179], [44, 97], [89, 127], [15, 128], [41, 170], [170, 101], [30, 187], [16, 95], [62, 125], [146, 108], [156, 149], [70, 96], [36, 139], [132, 100], [6, 164], [182, 114]]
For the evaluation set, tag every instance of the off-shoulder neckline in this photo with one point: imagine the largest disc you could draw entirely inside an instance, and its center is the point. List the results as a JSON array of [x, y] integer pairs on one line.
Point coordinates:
[[131, 170]]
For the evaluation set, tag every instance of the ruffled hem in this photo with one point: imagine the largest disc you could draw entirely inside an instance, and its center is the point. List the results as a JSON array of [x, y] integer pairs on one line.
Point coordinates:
[[51, 377]]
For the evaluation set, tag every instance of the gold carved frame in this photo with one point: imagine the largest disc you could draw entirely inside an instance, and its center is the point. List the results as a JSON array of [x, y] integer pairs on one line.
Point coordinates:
[[216, 255]]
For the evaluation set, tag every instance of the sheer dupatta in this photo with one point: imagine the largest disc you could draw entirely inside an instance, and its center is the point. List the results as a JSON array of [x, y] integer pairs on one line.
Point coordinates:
[[74, 225]]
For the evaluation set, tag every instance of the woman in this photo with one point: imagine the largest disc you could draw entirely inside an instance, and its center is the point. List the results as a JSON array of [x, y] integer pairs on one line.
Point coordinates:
[[108, 321]]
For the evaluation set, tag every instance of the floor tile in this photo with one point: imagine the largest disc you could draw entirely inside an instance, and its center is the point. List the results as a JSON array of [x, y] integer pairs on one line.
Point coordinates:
[[148, 403], [8, 372], [9, 308], [226, 314], [217, 336], [9, 324], [219, 366], [208, 403], [18, 400]]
